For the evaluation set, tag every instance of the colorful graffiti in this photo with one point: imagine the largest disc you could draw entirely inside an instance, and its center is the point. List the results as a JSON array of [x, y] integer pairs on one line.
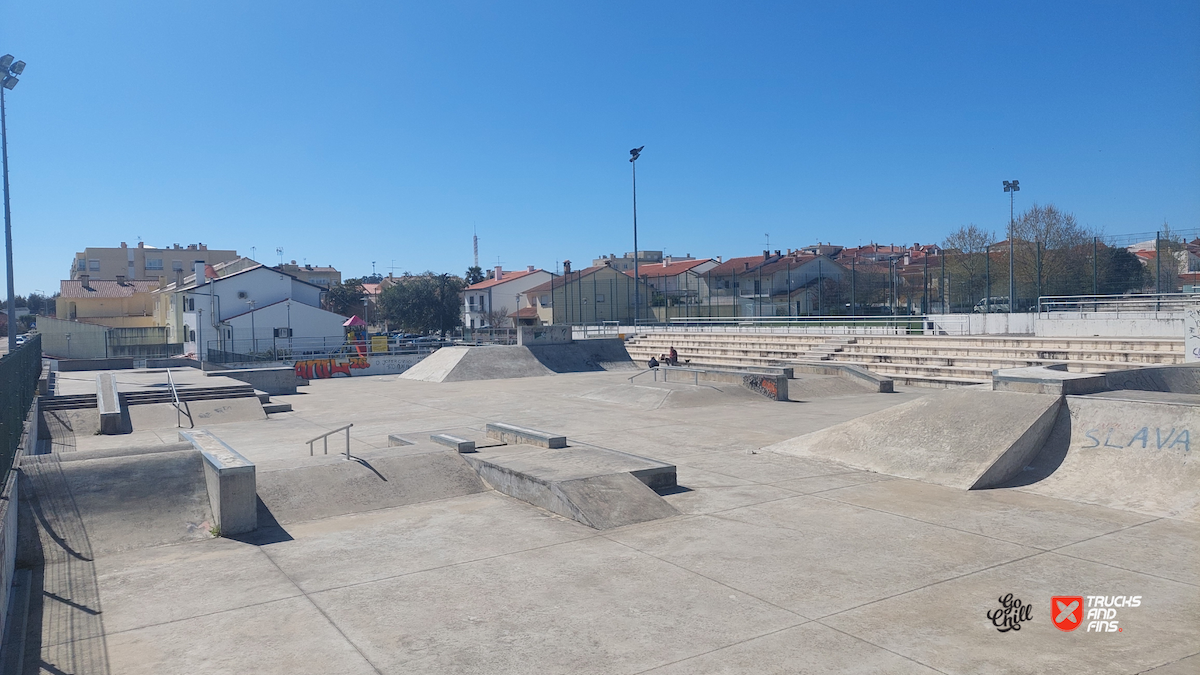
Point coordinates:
[[319, 369]]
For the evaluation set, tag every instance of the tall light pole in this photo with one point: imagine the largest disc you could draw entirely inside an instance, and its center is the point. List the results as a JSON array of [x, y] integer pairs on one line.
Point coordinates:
[[8, 79], [1012, 188], [637, 300]]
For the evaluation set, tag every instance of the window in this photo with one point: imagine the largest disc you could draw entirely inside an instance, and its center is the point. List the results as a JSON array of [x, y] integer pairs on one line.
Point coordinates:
[[544, 301], [176, 265], [93, 265], [81, 264], [599, 297], [154, 263], [471, 300]]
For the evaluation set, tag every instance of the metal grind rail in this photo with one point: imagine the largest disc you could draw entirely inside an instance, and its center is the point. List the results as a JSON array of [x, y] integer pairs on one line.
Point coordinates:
[[179, 411], [694, 371], [325, 437]]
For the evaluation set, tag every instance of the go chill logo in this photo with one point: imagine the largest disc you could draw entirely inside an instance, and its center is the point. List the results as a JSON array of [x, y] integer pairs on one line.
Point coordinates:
[[1067, 612]]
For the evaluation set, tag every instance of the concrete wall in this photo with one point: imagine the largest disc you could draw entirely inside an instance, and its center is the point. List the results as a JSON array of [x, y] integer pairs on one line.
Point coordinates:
[[1111, 324], [372, 364], [543, 335], [275, 381], [230, 478], [8, 513], [1191, 337]]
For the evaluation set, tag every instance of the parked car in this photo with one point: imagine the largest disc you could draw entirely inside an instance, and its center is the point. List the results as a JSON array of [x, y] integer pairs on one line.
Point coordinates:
[[21, 339]]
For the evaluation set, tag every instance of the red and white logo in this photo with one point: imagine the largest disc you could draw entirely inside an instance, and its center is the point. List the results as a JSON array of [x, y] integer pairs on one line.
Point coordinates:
[[1066, 611]]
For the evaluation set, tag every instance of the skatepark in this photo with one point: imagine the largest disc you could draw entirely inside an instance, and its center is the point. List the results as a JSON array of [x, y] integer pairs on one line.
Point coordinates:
[[559, 508]]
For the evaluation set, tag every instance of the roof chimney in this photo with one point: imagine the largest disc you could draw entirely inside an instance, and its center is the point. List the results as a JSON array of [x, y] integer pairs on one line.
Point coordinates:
[[84, 280], [566, 267], [141, 244], [198, 269], [124, 245], [666, 261], [120, 279], [499, 273], [529, 268], [178, 279], [766, 254]]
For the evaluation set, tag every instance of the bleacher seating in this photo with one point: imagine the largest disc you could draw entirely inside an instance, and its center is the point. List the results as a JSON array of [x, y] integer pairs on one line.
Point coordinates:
[[930, 360]]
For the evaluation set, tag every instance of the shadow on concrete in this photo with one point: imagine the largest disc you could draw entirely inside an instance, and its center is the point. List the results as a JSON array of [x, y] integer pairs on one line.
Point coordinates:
[[673, 490], [367, 464], [1049, 458], [269, 530]]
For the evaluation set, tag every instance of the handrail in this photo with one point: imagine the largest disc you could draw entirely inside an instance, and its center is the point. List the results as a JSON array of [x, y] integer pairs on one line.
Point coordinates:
[[326, 436], [1134, 302], [179, 404], [648, 370]]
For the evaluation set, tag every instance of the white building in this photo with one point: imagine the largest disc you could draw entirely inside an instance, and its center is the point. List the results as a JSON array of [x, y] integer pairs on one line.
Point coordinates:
[[485, 302], [246, 311]]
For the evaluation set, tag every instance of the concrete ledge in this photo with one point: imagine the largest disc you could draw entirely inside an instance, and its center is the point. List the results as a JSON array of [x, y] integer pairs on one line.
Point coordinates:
[[773, 385], [275, 381], [232, 491], [515, 435], [70, 365], [394, 441], [108, 404], [879, 383], [459, 444], [1052, 379]]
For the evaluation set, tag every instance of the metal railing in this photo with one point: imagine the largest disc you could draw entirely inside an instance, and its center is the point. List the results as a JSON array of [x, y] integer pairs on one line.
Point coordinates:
[[19, 373], [1145, 302], [694, 371], [819, 325], [179, 406], [325, 436]]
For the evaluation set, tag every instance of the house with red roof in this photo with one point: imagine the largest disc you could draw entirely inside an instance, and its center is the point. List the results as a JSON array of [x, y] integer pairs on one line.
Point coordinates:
[[489, 303], [590, 295]]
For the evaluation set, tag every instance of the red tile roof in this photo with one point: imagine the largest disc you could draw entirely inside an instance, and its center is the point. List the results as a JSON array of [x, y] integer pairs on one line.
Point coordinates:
[[567, 277], [505, 277], [525, 313], [74, 288], [669, 269]]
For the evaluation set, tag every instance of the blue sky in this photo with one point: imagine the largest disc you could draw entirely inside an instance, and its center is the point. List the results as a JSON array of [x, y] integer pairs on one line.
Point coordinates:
[[359, 131]]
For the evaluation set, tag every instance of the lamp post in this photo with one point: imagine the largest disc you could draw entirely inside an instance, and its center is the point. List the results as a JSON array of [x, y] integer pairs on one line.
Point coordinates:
[[9, 70], [637, 300], [1012, 188]]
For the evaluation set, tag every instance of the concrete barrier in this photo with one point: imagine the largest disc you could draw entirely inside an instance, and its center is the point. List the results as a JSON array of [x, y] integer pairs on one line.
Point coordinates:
[[515, 435], [1047, 380], [108, 404], [879, 383], [232, 490], [772, 385], [73, 365], [395, 440], [459, 444], [274, 381]]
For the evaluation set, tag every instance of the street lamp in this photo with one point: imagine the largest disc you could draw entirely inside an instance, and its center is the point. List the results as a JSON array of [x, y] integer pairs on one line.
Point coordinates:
[[1012, 188], [637, 300], [8, 79]]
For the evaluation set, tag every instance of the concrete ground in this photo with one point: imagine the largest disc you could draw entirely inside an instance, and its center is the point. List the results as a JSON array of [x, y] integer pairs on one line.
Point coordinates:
[[776, 564]]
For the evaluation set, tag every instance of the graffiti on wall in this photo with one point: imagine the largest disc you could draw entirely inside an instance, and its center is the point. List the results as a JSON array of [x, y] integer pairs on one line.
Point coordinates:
[[763, 384], [319, 369], [1160, 439]]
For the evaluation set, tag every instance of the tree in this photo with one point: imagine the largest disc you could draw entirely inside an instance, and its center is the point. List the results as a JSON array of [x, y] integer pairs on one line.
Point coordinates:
[[1052, 253], [474, 275], [345, 298], [1172, 260], [1119, 271], [497, 318], [966, 251], [425, 303]]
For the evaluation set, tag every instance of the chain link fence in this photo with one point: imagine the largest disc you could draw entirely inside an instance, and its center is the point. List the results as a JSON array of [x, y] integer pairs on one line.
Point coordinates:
[[19, 373]]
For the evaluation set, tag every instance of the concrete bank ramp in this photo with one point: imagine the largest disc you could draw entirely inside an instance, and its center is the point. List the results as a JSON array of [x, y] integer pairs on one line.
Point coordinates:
[[964, 438], [334, 486], [495, 362], [105, 502], [1126, 454]]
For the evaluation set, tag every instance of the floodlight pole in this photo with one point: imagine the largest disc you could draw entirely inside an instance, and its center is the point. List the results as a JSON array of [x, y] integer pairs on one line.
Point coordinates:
[[12, 310], [637, 300], [1011, 188]]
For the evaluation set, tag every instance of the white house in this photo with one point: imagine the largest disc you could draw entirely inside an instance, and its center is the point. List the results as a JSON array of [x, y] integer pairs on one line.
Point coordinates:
[[244, 311], [499, 296]]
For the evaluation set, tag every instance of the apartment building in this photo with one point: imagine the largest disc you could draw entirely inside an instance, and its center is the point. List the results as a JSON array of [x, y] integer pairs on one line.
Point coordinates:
[[142, 261]]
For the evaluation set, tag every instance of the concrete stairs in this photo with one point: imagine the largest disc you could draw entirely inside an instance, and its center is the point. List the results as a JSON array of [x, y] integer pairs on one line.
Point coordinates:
[[265, 399], [939, 361]]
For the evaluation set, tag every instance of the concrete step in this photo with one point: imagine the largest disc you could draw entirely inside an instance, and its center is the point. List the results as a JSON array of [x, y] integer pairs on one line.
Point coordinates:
[[276, 407]]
